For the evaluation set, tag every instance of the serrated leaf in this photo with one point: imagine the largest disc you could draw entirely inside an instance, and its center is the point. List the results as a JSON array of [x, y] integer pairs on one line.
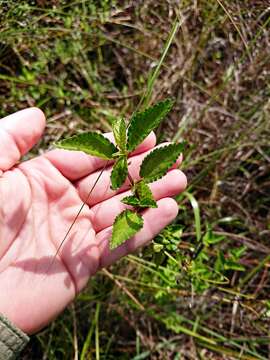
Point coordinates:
[[91, 143], [145, 195], [126, 225], [158, 162], [142, 196], [131, 200], [120, 134], [142, 123], [119, 172]]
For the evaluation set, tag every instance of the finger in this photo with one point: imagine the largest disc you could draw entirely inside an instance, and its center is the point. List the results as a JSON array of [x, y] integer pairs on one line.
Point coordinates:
[[103, 189], [165, 213], [19, 132], [105, 212], [76, 164]]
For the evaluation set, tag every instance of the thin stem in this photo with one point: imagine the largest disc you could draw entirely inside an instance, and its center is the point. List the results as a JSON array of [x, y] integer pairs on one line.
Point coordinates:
[[97, 331], [76, 217], [130, 179]]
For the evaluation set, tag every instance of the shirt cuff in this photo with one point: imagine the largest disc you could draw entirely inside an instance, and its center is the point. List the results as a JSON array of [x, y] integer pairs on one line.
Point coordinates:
[[12, 339]]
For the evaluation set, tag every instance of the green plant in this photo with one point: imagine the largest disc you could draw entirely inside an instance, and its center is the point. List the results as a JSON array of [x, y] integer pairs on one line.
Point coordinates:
[[154, 166]]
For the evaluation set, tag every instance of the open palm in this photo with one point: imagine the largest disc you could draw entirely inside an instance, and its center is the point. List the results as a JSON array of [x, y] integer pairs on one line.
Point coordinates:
[[39, 199]]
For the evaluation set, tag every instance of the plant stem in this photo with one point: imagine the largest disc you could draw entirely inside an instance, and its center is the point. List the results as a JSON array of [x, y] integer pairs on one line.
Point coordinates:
[[130, 179], [97, 331]]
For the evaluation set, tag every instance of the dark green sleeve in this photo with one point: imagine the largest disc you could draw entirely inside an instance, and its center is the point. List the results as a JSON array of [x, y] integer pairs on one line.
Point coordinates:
[[12, 340]]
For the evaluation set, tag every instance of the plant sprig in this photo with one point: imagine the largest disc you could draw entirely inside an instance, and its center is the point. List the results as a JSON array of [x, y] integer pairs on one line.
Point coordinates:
[[154, 166]]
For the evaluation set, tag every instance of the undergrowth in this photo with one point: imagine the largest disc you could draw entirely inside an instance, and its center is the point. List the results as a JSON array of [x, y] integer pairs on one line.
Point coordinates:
[[201, 290]]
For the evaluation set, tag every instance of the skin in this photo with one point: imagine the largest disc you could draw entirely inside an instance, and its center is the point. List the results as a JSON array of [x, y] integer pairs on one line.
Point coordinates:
[[40, 198]]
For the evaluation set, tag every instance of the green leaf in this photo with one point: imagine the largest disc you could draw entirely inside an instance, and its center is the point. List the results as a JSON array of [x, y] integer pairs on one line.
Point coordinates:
[[237, 253], [119, 172], [131, 200], [120, 134], [126, 224], [145, 195], [142, 197], [158, 162], [233, 265], [142, 123], [211, 238], [91, 143]]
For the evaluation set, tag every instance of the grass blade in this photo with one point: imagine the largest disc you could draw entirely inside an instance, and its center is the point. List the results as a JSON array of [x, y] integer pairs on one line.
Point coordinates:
[[196, 211], [144, 102]]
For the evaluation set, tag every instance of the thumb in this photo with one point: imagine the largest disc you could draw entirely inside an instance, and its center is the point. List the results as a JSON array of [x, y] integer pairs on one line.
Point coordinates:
[[19, 132]]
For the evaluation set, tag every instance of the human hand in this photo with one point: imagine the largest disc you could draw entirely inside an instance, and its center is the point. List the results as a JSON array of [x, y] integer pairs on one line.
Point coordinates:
[[39, 199]]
